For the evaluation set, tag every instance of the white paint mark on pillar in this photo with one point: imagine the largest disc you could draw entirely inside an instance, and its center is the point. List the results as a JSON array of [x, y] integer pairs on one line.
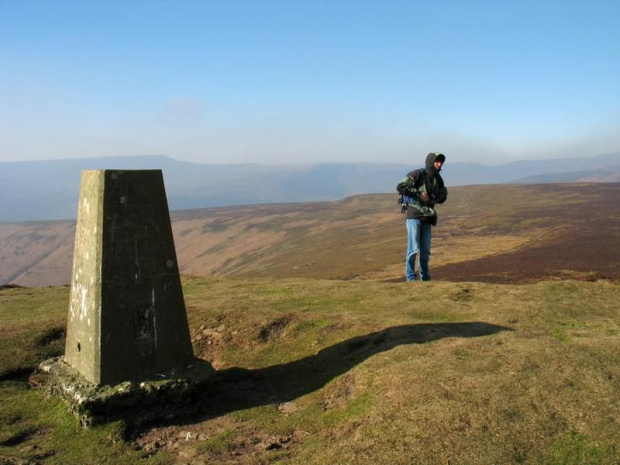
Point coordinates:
[[72, 304], [84, 302]]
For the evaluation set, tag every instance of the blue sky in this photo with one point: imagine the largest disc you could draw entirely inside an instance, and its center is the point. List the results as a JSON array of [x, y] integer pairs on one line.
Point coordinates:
[[309, 81]]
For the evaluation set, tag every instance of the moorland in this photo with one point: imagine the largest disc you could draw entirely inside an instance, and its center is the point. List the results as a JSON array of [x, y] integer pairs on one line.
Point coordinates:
[[497, 233], [323, 354]]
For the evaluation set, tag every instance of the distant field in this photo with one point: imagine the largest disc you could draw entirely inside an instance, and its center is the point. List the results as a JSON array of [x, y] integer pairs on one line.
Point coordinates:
[[347, 372], [499, 233]]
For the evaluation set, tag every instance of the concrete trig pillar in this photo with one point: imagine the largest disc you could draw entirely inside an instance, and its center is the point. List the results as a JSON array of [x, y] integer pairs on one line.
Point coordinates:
[[127, 318]]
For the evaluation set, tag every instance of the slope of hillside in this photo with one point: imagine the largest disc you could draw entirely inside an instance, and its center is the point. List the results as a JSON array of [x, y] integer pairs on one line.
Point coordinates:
[[504, 233], [36, 253]]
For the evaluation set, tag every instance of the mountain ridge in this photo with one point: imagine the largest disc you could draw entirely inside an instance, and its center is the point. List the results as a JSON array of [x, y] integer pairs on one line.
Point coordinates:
[[49, 189]]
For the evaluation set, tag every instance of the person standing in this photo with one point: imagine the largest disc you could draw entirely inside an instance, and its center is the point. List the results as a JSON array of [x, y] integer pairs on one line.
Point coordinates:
[[421, 190]]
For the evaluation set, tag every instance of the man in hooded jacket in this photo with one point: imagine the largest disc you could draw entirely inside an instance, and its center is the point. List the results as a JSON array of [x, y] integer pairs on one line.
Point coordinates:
[[422, 189]]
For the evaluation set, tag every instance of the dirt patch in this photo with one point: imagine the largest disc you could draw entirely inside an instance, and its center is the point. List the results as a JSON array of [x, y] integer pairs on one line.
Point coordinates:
[[338, 394], [209, 342], [274, 329], [218, 440]]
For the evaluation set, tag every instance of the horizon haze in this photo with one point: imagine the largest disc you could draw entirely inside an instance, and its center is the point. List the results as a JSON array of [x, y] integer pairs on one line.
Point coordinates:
[[48, 189]]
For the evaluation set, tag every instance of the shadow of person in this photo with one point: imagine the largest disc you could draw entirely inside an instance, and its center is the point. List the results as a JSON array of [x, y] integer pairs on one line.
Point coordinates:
[[237, 388]]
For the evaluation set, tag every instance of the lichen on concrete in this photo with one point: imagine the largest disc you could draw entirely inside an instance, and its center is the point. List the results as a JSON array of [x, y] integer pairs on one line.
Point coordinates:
[[135, 401]]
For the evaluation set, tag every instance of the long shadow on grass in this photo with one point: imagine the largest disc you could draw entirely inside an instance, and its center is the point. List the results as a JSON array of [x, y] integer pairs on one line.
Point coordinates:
[[236, 388]]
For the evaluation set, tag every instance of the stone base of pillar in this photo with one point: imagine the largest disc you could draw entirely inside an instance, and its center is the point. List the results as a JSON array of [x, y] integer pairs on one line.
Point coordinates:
[[164, 396]]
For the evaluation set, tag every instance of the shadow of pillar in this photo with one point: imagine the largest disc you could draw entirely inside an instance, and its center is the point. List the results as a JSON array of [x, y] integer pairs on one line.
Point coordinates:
[[236, 389]]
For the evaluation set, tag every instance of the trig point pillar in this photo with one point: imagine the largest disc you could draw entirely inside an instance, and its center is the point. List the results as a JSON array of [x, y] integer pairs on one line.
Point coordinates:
[[127, 318]]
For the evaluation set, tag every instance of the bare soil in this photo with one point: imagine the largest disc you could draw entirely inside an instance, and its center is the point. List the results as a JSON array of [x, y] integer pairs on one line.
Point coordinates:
[[188, 443]]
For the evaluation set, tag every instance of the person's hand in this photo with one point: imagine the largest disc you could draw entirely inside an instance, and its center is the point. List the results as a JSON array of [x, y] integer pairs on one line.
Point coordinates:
[[424, 197]]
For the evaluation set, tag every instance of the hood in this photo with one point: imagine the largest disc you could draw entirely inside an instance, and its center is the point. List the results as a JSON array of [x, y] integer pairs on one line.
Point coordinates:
[[430, 163]]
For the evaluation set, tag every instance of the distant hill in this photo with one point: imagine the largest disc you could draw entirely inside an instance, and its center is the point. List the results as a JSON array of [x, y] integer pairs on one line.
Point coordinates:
[[495, 233], [48, 190], [600, 175]]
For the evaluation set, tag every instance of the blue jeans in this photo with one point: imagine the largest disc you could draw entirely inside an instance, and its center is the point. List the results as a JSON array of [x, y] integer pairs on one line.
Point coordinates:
[[418, 241]]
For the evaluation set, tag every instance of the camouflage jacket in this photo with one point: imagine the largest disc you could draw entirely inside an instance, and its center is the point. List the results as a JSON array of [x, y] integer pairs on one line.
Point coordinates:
[[412, 186]]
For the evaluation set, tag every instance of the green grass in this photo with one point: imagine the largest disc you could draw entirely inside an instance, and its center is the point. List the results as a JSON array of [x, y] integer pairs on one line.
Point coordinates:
[[32, 322], [317, 371], [40, 430], [579, 449]]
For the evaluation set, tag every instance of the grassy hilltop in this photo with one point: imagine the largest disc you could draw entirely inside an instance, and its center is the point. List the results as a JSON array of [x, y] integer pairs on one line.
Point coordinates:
[[316, 371], [323, 355]]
